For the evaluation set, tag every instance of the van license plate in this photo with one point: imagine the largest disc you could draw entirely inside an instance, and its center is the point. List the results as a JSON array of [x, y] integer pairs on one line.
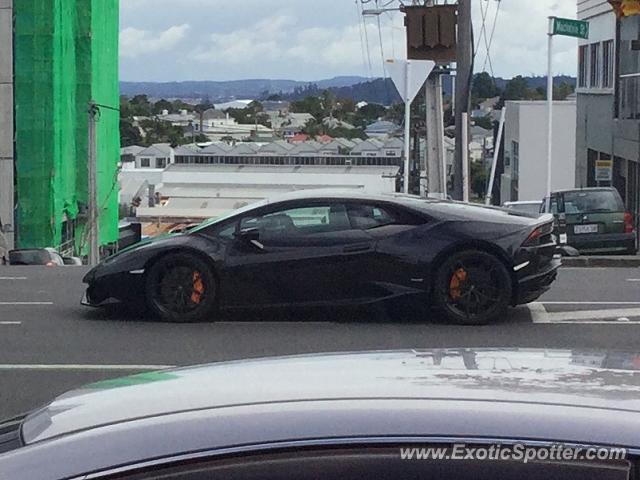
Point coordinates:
[[578, 229]]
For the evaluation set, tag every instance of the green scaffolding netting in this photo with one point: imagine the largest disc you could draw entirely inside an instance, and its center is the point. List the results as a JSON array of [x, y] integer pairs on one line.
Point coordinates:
[[66, 54]]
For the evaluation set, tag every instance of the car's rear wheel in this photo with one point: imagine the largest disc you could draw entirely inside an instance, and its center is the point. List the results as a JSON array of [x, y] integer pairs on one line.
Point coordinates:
[[181, 288], [472, 288]]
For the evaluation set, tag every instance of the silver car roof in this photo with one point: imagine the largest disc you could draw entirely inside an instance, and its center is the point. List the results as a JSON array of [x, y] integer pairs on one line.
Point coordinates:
[[532, 376]]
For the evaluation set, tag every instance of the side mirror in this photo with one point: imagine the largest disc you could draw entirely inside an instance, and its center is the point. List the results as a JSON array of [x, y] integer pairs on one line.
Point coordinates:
[[250, 235]]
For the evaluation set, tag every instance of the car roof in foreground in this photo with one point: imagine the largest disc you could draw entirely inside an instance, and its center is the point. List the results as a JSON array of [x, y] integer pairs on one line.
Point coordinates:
[[590, 379]]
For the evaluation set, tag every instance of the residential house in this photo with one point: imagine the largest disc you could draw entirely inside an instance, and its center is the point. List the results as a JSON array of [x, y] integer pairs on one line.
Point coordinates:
[[291, 124], [381, 128], [158, 155], [128, 154]]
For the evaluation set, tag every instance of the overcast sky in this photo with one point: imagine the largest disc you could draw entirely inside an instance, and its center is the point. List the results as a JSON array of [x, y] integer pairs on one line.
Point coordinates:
[[165, 40]]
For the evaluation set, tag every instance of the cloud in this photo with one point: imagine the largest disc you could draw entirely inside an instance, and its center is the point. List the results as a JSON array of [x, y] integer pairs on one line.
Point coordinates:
[[135, 42], [278, 40], [311, 39]]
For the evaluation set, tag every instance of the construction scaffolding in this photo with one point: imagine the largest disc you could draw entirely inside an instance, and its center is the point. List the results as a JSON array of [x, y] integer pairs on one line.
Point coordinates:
[[66, 55]]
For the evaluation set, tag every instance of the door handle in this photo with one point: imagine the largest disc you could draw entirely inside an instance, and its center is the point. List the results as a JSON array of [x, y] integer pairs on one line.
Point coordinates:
[[358, 248]]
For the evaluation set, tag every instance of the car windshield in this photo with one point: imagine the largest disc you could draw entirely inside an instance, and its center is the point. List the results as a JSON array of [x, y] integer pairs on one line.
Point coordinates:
[[187, 182], [529, 208], [598, 201]]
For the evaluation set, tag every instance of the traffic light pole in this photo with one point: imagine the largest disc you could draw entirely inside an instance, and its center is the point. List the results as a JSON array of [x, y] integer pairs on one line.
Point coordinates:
[[463, 77]]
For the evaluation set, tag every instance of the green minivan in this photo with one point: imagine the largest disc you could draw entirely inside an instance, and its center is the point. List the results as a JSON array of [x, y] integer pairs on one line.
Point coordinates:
[[595, 220]]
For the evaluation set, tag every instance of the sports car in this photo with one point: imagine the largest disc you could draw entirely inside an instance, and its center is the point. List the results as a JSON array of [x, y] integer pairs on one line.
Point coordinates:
[[315, 248]]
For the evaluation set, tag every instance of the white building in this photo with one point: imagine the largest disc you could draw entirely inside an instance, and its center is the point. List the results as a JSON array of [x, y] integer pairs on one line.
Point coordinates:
[[525, 156], [196, 192]]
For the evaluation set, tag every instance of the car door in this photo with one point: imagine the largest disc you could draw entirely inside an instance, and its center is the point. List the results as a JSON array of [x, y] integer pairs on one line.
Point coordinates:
[[392, 267], [296, 256]]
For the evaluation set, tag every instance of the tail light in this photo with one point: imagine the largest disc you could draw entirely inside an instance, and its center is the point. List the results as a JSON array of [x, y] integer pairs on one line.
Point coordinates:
[[536, 235], [628, 223], [50, 264]]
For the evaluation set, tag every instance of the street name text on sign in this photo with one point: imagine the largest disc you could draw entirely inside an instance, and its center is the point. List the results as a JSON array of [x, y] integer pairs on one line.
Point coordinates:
[[570, 28]]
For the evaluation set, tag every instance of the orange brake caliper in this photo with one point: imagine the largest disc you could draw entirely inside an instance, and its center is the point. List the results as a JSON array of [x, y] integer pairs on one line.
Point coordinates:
[[458, 278], [198, 288]]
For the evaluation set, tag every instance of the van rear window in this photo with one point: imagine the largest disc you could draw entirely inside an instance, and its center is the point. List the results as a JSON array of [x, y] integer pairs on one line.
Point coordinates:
[[594, 201]]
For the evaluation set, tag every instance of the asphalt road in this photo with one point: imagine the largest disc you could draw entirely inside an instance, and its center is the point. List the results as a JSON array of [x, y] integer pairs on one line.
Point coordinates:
[[49, 343]]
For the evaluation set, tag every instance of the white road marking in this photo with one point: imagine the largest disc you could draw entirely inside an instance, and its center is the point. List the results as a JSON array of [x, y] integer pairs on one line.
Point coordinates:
[[81, 367], [609, 317], [633, 279], [13, 278], [25, 303], [10, 323], [538, 312], [590, 303]]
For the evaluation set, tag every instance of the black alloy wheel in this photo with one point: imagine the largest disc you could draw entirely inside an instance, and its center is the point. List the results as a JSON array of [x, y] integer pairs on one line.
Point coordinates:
[[181, 288], [473, 288]]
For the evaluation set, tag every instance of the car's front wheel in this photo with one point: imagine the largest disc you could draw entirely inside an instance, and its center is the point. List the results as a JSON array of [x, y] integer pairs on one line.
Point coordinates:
[[472, 288], [181, 288]]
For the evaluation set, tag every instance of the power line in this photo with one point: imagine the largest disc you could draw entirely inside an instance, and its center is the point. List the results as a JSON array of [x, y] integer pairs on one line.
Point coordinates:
[[366, 38], [367, 67], [493, 31]]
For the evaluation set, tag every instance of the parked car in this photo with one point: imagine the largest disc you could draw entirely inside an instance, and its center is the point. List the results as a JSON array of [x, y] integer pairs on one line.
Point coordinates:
[[336, 248], [595, 220], [344, 416], [529, 207], [36, 256]]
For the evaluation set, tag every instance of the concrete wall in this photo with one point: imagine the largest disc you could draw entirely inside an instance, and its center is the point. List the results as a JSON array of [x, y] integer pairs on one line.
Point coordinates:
[[529, 128], [6, 117]]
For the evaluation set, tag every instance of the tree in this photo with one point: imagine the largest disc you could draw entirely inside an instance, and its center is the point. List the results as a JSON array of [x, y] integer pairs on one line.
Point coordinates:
[[161, 105], [479, 177], [485, 122], [484, 86], [562, 91], [140, 106], [516, 89], [312, 105], [129, 135]]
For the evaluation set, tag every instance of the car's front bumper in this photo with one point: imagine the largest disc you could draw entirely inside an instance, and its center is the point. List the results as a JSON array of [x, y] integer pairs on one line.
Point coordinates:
[[127, 287]]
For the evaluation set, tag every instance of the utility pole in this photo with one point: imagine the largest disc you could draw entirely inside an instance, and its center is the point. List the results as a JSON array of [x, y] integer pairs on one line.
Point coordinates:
[[433, 174], [92, 169], [463, 79]]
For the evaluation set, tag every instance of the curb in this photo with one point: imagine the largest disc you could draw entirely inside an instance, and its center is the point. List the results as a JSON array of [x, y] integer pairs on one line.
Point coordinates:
[[632, 261]]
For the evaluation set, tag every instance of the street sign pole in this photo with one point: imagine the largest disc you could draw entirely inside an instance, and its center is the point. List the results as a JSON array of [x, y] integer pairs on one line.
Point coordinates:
[[550, 111], [408, 76], [407, 127]]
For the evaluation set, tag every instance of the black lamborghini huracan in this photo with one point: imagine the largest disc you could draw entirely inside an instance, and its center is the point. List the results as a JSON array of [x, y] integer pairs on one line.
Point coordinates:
[[326, 248]]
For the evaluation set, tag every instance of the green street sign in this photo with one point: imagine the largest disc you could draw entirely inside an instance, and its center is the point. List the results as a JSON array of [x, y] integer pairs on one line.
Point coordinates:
[[571, 28]]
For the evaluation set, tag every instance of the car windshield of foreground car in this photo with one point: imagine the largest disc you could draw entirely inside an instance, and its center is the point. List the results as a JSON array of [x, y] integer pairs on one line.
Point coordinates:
[[593, 201]]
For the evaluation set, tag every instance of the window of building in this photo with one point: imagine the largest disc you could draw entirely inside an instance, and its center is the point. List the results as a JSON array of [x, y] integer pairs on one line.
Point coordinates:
[[608, 57], [583, 61], [145, 162], [594, 66], [161, 162], [515, 158]]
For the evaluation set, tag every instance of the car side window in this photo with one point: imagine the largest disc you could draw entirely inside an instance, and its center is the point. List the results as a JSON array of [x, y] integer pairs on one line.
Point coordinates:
[[299, 221], [365, 216]]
